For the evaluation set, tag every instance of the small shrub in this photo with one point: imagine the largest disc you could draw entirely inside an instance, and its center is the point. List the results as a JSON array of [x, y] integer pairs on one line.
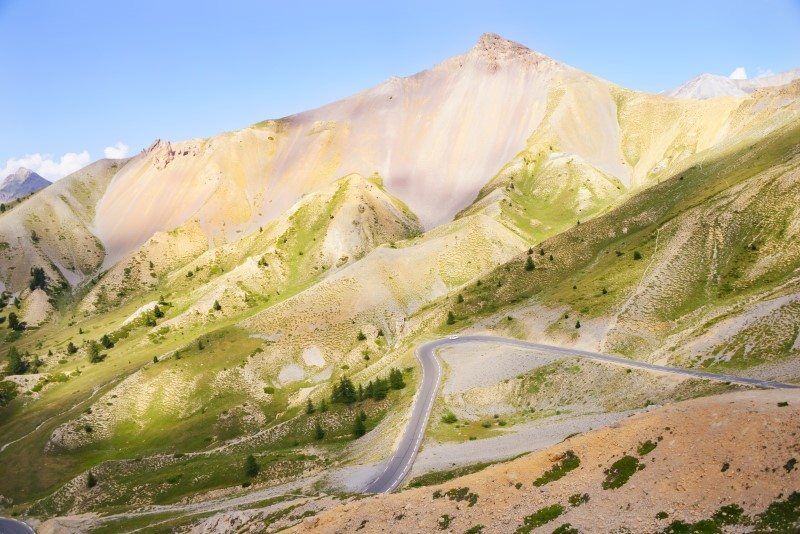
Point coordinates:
[[540, 517], [566, 528], [578, 499], [783, 404], [91, 480], [444, 521], [451, 319], [662, 515], [621, 471], [637, 255], [789, 465], [725, 467], [361, 336], [449, 418], [569, 462], [646, 448]]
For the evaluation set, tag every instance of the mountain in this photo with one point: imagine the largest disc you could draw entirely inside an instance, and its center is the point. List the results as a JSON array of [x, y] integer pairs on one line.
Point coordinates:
[[21, 184], [200, 307], [707, 86]]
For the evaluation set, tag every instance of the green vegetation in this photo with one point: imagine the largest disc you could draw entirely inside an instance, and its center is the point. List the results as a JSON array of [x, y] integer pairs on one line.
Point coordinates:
[[621, 471], [38, 279], [569, 462], [8, 392], [566, 528], [251, 467], [359, 428], [646, 448], [458, 495], [578, 499], [540, 517], [440, 477], [449, 418]]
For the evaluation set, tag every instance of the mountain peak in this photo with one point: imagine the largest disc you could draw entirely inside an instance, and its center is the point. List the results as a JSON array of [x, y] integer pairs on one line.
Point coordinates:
[[497, 50], [495, 46], [21, 183]]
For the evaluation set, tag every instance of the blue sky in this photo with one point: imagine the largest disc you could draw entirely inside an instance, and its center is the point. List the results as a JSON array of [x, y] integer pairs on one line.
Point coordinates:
[[81, 77]]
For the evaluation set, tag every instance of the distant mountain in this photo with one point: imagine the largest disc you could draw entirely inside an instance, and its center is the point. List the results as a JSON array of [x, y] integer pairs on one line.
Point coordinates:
[[20, 184], [737, 84]]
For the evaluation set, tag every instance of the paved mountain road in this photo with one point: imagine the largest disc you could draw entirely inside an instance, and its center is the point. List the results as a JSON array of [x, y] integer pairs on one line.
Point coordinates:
[[399, 464], [12, 526]]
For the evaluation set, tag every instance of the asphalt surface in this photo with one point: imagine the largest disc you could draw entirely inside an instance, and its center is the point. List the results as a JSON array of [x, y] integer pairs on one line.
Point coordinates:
[[12, 526], [399, 464]]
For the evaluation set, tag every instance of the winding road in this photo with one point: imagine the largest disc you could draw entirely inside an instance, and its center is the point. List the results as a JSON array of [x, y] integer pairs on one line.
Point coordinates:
[[12, 526], [399, 464]]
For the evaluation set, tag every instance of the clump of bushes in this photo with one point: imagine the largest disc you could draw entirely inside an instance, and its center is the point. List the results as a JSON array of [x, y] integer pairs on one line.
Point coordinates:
[[540, 517], [621, 471], [569, 462]]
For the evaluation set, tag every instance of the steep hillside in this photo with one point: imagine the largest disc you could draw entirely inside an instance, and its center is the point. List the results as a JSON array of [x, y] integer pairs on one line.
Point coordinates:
[[435, 137], [54, 230], [684, 272], [725, 462]]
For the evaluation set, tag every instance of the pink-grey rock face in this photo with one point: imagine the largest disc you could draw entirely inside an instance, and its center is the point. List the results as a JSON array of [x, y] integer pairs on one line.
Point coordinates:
[[21, 184]]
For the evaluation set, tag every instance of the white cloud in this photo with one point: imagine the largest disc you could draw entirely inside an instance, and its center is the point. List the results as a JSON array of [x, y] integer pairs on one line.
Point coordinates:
[[738, 74], [46, 166], [118, 151]]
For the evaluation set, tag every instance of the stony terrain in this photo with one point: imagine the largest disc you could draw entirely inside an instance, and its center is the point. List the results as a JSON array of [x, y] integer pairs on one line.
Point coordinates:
[[691, 459]]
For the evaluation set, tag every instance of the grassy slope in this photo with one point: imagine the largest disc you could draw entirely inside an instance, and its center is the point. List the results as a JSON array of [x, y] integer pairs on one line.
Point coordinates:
[[737, 209]]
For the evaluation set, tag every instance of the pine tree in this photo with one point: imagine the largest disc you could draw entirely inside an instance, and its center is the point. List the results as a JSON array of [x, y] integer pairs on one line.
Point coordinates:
[[13, 322], [157, 312], [396, 379], [359, 428], [323, 406], [361, 336], [251, 467], [309, 407], [94, 352], [319, 433], [17, 365], [217, 306], [71, 348], [451, 319], [381, 388], [106, 341], [8, 390], [577, 324], [344, 392], [460, 298], [200, 345], [38, 279], [91, 481], [529, 266]]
